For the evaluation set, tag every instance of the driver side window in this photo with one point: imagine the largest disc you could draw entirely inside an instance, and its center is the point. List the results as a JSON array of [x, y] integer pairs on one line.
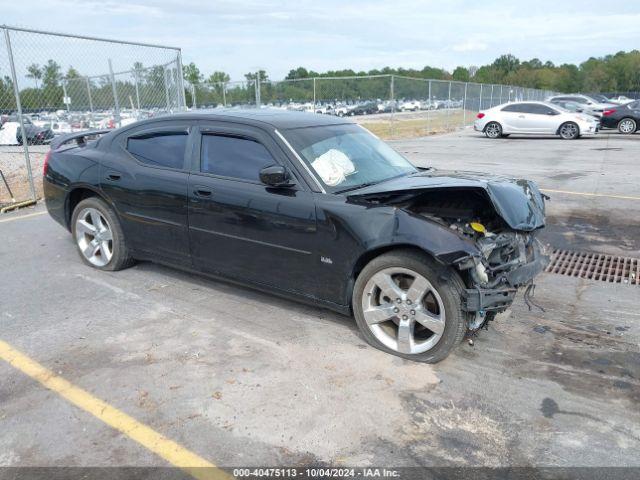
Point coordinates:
[[234, 157]]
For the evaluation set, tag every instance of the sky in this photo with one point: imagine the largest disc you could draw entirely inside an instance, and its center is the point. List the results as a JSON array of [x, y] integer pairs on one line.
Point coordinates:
[[245, 35]]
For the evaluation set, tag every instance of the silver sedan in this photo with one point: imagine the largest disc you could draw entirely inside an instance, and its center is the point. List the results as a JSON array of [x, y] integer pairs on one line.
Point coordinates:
[[534, 118]]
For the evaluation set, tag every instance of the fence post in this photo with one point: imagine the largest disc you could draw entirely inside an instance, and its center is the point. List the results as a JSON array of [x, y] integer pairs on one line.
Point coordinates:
[[393, 103], [258, 89], [491, 97], [135, 79], [224, 93], [449, 106], [16, 92], [464, 105], [429, 110], [116, 103], [65, 97], [314, 94], [182, 97], [194, 103], [166, 87], [90, 99], [480, 103]]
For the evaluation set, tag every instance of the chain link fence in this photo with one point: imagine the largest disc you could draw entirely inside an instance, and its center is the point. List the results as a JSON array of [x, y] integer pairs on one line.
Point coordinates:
[[52, 84], [392, 106]]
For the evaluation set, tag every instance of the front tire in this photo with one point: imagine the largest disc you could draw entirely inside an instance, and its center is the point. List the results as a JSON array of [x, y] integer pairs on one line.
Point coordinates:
[[569, 131], [493, 130], [407, 305], [627, 126], [99, 237]]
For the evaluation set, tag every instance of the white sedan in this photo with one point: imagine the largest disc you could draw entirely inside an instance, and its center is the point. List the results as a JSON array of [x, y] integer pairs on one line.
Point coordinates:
[[534, 118]]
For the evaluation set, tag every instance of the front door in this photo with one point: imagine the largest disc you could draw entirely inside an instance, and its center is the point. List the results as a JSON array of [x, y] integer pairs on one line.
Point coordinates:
[[241, 228]]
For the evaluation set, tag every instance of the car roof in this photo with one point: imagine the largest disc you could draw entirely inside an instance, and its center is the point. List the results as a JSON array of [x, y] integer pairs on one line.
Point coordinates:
[[279, 119]]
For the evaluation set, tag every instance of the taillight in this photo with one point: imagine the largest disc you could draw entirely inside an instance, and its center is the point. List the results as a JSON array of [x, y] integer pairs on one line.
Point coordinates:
[[480, 115], [112, 124], [606, 113], [45, 167]]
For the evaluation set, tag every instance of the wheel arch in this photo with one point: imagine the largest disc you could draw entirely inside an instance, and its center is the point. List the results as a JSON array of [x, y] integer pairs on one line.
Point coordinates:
[[568, 121], [628, 117], [484, 129], [76, 195], [369, 255]]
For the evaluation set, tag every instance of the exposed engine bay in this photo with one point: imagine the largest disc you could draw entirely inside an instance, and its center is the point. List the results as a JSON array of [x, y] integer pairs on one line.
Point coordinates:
[[507, 258]]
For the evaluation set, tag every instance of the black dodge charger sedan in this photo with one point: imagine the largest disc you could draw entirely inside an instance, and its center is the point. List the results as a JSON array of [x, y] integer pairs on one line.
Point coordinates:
[[626, 118], [307, 206]]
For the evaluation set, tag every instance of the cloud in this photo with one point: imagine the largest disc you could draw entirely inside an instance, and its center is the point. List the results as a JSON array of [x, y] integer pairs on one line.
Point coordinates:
[[278, 35], [470, 46]]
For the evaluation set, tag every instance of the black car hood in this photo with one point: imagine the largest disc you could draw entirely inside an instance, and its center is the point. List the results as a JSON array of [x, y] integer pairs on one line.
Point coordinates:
[[519, 202]]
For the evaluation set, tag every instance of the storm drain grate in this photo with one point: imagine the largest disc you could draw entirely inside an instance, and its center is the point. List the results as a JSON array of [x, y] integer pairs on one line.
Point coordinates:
[[595, 266]]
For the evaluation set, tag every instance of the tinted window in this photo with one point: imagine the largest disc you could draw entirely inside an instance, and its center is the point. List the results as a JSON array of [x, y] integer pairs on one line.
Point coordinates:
[[634, 105], [513, 108], [234, 157], [163, 149], [540, 109]]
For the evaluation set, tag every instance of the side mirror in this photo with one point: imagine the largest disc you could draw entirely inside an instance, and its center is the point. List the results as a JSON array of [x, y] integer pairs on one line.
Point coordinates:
[[276, 176]]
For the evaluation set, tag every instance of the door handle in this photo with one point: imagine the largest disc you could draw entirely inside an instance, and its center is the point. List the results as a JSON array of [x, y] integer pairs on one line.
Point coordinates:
[[202, 192], [115, 176]]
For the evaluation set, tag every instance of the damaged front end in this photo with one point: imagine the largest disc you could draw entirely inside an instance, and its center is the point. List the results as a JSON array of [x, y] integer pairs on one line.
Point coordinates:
[[500, 218]]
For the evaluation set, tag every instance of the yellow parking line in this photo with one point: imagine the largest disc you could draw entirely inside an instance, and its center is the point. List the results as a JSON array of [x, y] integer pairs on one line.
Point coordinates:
[[584, 194], [169, 450], [19, 217]]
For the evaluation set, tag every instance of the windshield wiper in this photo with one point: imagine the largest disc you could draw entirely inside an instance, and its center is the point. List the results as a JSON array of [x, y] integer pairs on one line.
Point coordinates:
[[357, 187]]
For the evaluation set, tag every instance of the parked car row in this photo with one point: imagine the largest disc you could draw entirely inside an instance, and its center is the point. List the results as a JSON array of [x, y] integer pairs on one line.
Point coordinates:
[[42, 127], [369, 107], [568, 116], [534, 118]]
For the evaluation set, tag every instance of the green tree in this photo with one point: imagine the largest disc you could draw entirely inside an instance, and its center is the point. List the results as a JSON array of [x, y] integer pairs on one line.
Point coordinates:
[[191, 73], [460, 74], [35, 73]]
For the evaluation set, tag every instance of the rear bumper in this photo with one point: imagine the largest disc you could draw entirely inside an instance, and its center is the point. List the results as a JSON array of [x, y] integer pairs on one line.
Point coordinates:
[[55, 197]]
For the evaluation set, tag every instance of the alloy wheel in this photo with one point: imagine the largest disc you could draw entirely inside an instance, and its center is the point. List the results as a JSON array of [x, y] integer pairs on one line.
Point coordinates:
[[94, 237], [493, 130], [403, 310], [568, 131], [627, 126]]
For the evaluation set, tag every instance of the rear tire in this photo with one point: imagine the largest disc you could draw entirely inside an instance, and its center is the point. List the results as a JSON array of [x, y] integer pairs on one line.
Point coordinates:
[[627, 126], [430, 311], [493, 130], [99, 237], [569, 131]]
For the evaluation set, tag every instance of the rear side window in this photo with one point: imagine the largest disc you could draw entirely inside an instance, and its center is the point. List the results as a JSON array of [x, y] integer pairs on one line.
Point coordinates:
[[234, 157], [541, 109], [160, 149], [511, 108]]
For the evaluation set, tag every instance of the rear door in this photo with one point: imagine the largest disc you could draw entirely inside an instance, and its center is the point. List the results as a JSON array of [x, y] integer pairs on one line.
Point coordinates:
[[511, 114], [541, 118], [146, 177], [241, 228]]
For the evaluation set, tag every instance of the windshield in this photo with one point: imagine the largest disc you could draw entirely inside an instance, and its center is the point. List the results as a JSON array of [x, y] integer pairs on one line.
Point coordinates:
[[347, 156]]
